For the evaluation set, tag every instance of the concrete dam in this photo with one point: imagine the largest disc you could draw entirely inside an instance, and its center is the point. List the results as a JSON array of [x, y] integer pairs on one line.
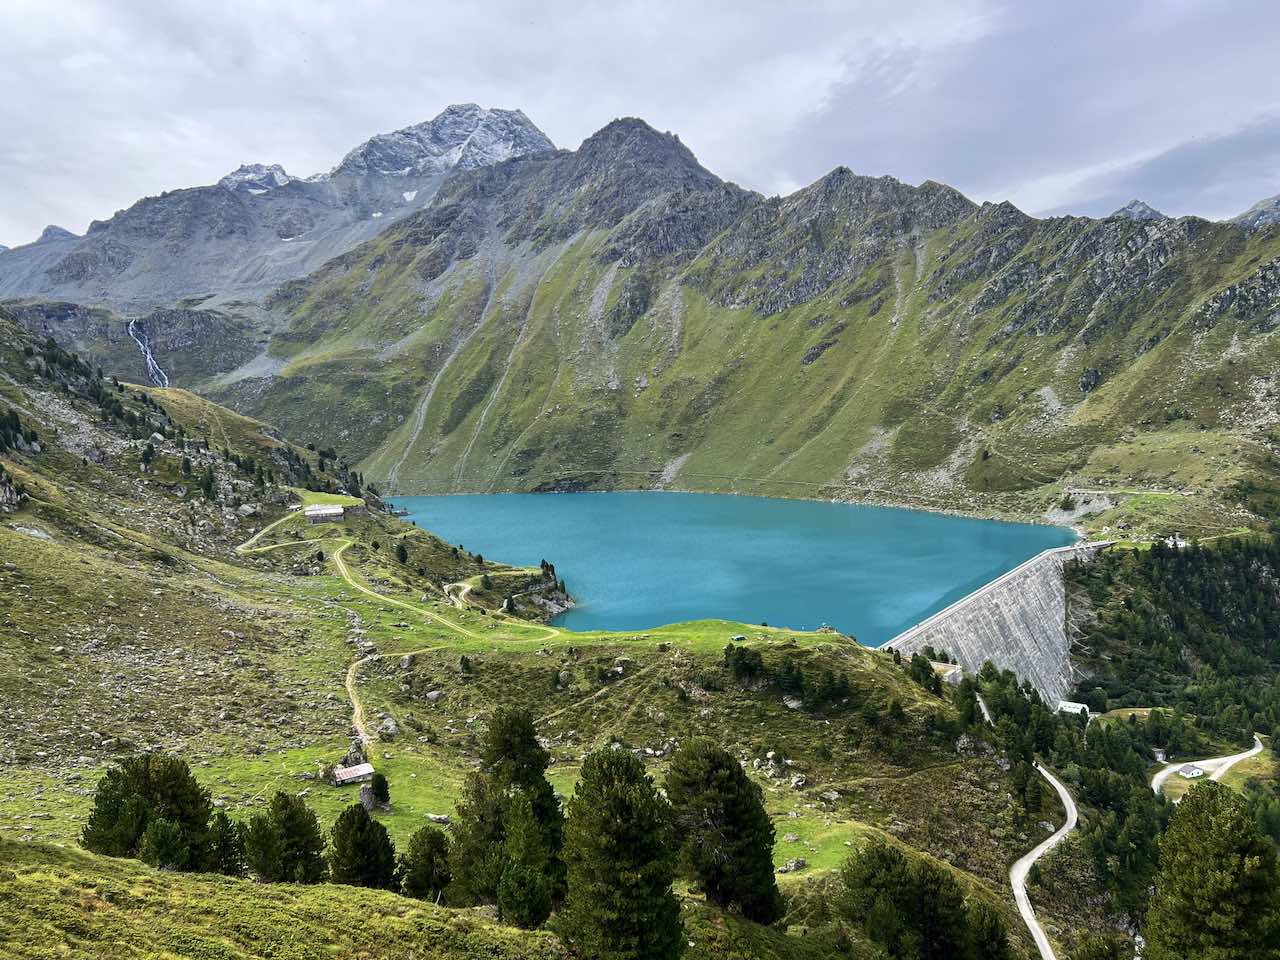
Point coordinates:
[[1017, 621]]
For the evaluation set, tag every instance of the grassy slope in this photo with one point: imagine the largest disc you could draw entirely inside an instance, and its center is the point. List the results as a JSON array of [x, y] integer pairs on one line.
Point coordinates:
[[128, 624], [901, 405]]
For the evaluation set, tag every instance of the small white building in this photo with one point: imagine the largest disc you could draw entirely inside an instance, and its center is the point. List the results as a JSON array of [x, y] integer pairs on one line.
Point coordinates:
[[323, 512], [360, 773], [1070, 706], [1190, 771]]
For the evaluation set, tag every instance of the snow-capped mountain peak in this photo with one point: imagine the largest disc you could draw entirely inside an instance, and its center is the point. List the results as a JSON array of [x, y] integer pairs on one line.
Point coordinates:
[[463, 136], [255, 176]]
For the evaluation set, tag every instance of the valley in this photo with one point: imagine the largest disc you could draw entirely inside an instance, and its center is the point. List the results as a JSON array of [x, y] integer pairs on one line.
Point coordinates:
[[215, 403]]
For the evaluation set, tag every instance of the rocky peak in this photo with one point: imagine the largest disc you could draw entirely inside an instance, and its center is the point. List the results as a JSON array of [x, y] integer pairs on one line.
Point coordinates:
[[852, 198], [1261, 214], [1139, 210], [630, 141], [55, 232], [255, 177], [463, 136]]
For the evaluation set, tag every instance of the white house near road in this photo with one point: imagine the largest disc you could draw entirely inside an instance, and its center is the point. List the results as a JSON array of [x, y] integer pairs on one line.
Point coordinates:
[[1190, 771], [1070, 706], [323, 512]]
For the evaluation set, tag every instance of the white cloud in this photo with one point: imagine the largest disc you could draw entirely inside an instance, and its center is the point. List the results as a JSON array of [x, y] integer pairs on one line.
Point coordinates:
[[107, 102]]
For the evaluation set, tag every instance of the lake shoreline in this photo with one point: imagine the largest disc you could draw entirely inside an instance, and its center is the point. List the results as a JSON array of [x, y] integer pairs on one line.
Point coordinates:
[[993, 514], [868, 570]]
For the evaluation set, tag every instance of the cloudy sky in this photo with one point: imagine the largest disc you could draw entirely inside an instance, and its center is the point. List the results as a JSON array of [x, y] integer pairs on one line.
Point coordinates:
[[1060, 107]]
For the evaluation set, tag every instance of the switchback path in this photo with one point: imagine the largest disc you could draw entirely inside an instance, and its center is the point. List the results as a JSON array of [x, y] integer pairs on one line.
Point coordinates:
[[351, 678], [1018, 872]]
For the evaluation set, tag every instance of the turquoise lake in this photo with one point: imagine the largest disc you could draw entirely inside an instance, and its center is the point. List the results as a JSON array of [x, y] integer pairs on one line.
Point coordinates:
[[639, 560]]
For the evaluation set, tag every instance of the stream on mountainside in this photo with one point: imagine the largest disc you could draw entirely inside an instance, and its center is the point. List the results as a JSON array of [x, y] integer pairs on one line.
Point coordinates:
[[154, 371], [643, 559]]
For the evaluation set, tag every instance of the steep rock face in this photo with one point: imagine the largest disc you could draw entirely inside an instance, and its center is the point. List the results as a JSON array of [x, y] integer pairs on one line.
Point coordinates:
[[188, 344], [463, 137], [258, 226]]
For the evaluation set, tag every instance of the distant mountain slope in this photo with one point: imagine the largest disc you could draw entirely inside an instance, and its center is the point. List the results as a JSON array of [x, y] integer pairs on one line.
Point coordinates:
[[1263, 213], [618, 316], [259, 226]]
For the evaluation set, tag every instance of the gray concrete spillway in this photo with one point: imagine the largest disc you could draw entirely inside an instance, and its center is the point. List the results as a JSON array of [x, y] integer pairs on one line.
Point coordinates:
[[1017, 621]]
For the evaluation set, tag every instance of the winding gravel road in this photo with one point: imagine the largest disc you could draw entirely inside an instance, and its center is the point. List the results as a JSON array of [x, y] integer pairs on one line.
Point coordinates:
[[1018, 872]]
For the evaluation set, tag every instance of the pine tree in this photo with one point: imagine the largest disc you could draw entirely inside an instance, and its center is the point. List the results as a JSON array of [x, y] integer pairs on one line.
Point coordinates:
[[163, 845], [988, 936], [424, 866], [361, 853], [143, 788], [620, 852], [1218, 887], [913, 909], [512, 757], [402, 552], [284, 844], [728, 836], [476, 854], [524, 897], [226, 851]]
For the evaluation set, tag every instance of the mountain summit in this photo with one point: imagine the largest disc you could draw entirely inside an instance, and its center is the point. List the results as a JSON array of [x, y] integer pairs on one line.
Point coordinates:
[[463, 137], [1139, 210], [259, 226]]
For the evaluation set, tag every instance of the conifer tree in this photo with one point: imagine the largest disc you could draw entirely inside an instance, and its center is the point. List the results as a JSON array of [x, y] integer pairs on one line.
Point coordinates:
[[142, 788], [727, 835], [620, 852], [988, 935], [284, 844], [163, 845], [361, 853], [512, 757], [1217, 889], [424, 866], [226, 849], [476, 853]]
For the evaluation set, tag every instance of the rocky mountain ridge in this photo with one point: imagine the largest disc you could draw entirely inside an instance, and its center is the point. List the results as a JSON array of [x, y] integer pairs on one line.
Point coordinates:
[[258, 226], [619, 316]]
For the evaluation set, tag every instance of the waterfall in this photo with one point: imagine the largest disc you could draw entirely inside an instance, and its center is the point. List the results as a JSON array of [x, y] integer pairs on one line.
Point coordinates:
[[154, 371]]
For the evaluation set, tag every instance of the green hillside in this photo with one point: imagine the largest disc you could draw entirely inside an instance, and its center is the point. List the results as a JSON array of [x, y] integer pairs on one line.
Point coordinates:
[[540, 327], [142, 613]]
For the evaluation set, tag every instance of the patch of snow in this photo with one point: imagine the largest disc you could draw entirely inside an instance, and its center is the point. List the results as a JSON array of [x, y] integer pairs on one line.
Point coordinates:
[[256, 175], [377, 214], [257, 193], [409, 195]]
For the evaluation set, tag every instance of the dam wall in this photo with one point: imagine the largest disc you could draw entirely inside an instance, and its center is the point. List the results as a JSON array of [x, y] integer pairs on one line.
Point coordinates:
[[1017, 621]]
